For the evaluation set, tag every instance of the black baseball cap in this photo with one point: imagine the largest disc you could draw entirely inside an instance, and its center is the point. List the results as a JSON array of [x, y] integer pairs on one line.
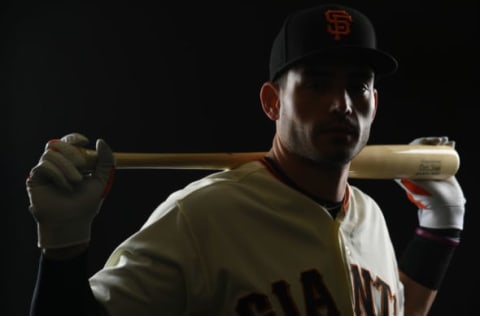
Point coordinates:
[[328, 30]]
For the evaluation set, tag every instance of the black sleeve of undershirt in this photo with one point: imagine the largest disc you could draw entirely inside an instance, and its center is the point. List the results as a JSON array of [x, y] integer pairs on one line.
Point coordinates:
[[62, 288], [426, 259]]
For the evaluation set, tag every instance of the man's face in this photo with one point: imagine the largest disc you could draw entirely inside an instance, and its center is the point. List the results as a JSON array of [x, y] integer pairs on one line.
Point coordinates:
[[326, 110]]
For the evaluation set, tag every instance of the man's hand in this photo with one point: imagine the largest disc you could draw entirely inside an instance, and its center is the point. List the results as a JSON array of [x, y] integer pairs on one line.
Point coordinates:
[[63, 200], [441, 203]]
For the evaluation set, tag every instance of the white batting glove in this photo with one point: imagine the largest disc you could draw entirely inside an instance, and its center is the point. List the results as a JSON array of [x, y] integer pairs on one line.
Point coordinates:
[[63, 200], [441, 203]]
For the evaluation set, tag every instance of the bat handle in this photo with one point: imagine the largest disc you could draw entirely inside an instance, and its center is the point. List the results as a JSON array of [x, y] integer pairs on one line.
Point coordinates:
[[207, 161]]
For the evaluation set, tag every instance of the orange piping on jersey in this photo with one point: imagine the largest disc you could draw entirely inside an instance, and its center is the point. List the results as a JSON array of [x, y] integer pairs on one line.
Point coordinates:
[[270, 169], [346, 199]]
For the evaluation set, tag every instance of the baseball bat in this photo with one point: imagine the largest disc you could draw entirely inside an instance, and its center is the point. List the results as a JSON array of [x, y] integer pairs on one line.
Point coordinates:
[[373, 162]]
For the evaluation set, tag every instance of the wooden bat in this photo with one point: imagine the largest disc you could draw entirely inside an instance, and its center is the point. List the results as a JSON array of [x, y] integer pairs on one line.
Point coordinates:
[[373, 162]]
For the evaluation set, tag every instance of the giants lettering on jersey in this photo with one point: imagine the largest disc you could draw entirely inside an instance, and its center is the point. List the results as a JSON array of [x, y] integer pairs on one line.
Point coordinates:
[[318, 300]]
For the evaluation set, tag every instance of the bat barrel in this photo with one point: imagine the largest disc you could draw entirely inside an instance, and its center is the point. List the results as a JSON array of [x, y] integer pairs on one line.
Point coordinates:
[[405, 161]]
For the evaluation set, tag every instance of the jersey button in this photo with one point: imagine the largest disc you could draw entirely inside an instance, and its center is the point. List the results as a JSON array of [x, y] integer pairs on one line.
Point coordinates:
[[347, 251]]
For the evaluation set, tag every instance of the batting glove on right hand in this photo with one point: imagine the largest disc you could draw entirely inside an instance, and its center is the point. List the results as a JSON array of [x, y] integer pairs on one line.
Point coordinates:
[[441, 203], [63, 200]]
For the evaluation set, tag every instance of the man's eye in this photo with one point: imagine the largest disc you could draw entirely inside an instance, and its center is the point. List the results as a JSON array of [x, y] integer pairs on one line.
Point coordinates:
[[358, 88]]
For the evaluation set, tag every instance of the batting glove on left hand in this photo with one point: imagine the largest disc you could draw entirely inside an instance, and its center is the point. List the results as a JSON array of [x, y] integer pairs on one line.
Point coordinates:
[[63, 200]]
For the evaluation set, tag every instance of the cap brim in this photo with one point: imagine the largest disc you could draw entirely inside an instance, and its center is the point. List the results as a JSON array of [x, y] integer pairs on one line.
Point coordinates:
[[382, 63]]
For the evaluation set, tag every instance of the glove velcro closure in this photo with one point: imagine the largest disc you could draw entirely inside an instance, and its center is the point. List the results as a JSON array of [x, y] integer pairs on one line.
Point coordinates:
[[59, 236], [453, 218]]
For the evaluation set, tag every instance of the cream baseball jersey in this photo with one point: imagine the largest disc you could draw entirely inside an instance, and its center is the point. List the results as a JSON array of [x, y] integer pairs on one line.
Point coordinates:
[[242, 242]]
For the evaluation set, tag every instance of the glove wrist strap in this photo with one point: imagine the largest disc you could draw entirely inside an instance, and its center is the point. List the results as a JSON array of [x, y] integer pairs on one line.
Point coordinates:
[[444, 236]]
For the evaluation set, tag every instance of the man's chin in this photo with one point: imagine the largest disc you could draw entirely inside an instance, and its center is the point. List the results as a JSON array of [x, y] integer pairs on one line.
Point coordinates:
[[342, 151]]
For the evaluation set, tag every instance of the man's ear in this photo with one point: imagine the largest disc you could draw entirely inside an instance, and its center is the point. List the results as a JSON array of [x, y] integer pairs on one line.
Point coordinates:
[[269, 97], [375, 98]]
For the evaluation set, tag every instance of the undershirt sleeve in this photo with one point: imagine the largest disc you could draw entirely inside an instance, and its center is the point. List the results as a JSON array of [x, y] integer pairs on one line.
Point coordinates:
[[62, 288]]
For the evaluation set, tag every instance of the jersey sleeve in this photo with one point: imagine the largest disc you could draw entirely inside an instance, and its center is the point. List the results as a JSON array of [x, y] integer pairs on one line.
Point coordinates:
[[156, 269]]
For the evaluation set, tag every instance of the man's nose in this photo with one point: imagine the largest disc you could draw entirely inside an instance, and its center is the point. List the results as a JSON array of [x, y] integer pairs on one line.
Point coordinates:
[[341, 102]]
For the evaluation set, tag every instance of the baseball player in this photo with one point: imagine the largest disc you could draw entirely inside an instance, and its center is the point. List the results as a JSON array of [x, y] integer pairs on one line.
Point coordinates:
[[283, 235]]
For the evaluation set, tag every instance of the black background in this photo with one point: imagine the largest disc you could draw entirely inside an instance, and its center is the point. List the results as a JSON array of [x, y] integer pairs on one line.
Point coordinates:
[[185, 77]]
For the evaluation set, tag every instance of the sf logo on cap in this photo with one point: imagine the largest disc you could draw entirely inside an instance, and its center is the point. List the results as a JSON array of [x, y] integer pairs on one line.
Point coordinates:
[[339, 23]]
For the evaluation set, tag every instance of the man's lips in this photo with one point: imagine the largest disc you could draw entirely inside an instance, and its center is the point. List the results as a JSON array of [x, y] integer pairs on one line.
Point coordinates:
[[340, 129]]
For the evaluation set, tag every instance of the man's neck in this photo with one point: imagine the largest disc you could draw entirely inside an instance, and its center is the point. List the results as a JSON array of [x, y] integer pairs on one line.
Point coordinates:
[[323, 182]]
